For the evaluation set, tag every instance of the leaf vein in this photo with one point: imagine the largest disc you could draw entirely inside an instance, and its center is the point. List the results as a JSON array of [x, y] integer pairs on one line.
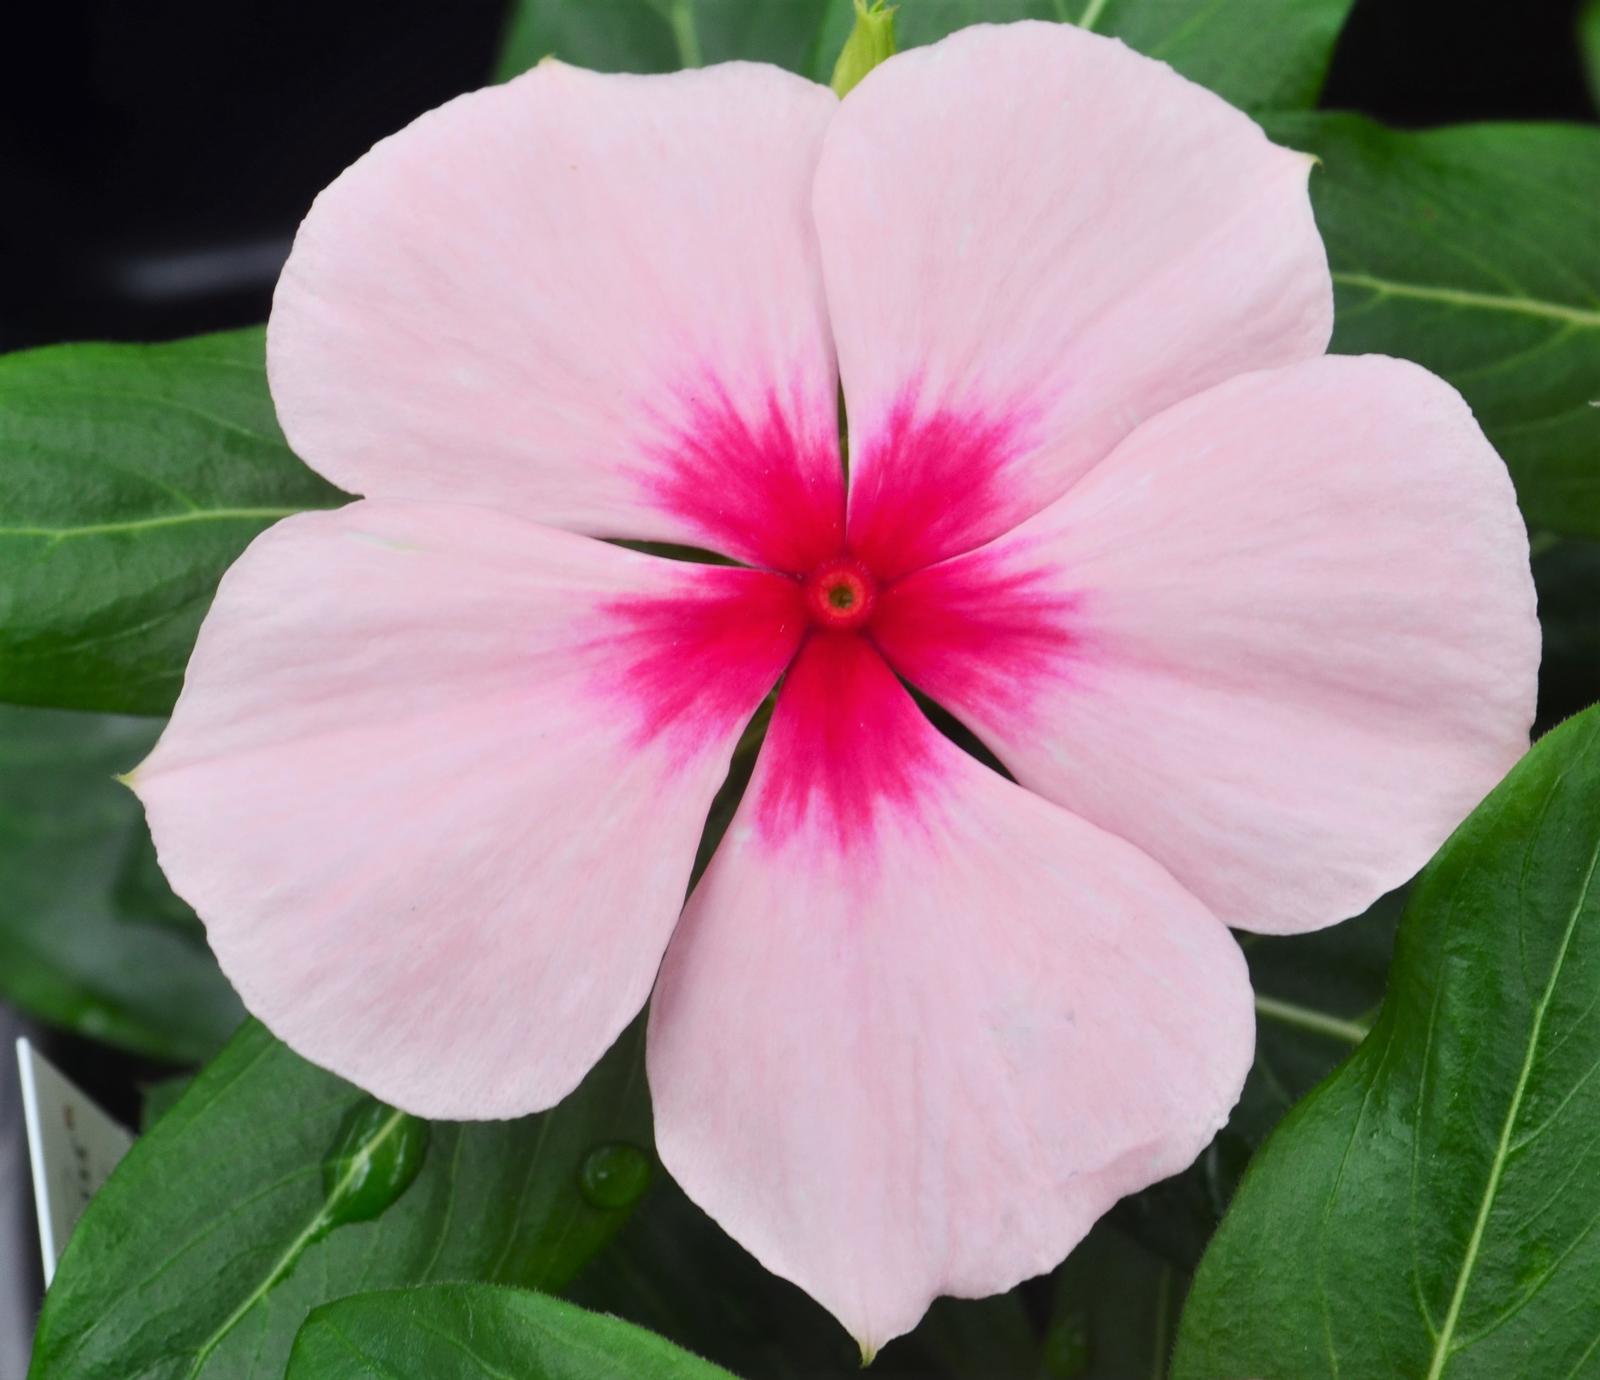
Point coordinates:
[[1471, 300]]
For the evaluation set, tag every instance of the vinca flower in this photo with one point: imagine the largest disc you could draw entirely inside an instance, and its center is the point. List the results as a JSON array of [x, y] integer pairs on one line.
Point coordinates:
[[1250, 628]]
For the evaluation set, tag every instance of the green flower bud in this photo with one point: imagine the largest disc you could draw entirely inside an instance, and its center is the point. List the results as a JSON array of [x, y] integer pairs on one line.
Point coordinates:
[[870, 42]]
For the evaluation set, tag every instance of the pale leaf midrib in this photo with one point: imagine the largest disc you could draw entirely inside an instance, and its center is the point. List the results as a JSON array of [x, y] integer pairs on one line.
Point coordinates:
[[1443, 1344], [293, 1251], [103, 529]]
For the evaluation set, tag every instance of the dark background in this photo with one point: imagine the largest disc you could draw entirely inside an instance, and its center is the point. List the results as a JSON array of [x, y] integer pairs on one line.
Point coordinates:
[[156, 156]]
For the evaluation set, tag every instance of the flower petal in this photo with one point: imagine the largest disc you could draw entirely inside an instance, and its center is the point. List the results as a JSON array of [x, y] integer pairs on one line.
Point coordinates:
[[591, 299], [435, 784], [916, 1033], [1283, 639], [1033, 239]]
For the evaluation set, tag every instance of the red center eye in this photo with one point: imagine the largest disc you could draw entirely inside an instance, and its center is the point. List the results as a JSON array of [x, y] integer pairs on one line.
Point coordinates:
[[840, 594]]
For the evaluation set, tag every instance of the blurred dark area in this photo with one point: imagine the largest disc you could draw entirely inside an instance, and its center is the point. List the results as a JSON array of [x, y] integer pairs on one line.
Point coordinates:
[[1415, 63], [158, 156]]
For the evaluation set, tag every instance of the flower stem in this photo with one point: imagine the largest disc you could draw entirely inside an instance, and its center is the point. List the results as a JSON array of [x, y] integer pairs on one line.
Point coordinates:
[[681, 16], [1316, 1022], [1091, 13]]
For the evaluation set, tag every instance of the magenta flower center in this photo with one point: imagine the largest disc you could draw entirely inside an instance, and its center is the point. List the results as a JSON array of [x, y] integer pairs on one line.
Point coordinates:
[[840, 594]]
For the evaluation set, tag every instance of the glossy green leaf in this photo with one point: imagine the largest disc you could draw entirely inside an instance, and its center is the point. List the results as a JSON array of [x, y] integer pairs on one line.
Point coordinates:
[[480, 1332], [1472, 251], [1429, 1211], [130, 478], [663, 35], [1589, 46], [1257, 53], [160, 1097], [272, 1187], [91, 937]]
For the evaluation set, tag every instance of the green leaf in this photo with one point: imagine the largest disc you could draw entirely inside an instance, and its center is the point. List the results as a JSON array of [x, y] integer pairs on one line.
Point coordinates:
[[130, 477], [91, 937], [662, 35], [272, 1187], [606, 35], [464, 1331], [1589, 46], [1259, 54], [160, 1097], [1429, 1210], [1429, 263]]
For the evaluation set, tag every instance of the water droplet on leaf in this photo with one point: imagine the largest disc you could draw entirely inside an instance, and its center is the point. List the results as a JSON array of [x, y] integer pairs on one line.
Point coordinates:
[[614, 1175], [376, 1154]]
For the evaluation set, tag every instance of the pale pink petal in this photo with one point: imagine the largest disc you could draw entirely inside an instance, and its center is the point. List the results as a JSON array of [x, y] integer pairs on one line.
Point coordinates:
[[1033, 239], [1283, 639], [591, 299], [919, 1028], [436, 781]]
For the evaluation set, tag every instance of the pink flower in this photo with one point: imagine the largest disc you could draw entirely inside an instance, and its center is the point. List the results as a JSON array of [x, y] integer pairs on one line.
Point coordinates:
[[1251, 626]]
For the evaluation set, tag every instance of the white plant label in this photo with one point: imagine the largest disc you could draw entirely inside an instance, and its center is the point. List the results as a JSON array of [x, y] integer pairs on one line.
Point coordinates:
[[73, 1147]]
